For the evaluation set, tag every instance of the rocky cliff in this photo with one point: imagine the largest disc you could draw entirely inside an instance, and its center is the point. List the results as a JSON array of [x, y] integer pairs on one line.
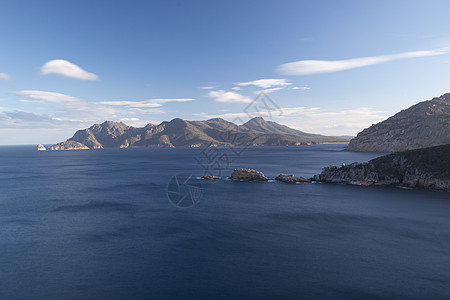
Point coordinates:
[[41, 147], [180, 132], [423, 125], [248, 175], [427, 168], [68, 145]]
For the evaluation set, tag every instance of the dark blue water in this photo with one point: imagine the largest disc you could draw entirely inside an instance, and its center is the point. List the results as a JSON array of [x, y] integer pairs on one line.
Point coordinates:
[[98, 225]]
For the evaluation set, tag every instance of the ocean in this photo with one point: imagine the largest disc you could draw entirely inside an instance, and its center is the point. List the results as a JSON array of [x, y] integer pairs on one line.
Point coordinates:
[[142, 224]]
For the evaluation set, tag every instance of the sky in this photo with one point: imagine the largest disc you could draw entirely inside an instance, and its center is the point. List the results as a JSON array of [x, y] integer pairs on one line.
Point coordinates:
[[328, 67]]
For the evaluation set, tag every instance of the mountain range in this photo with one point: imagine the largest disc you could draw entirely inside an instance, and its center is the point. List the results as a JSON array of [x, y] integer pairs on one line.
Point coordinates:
[[179, 132], [425, 124]]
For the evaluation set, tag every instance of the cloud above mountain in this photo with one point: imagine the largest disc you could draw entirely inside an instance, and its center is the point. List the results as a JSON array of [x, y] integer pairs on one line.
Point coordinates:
[[63, 110], [4, 76], [265, 83], [47, 96], [309, 67], [228, 97], [67, 69], [146, 103]]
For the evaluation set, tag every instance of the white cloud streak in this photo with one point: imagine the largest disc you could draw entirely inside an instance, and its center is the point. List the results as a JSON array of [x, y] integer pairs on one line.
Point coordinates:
[[5, 76], [308, 67], [67, 69], [73, 109], [265, 83], [271, 90], [228, 97], [146, 103], [47, 96]]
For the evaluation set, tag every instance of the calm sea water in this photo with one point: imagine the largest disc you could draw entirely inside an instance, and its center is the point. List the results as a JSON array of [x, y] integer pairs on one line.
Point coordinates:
[[98, 224]]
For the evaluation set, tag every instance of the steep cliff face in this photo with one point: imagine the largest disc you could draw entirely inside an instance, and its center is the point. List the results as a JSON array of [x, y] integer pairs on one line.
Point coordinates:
[[423, 125], [425, 168], [180, 132]]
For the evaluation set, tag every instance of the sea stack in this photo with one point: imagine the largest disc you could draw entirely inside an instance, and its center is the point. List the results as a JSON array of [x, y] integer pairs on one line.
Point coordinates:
[[41, 147], [290, 178], [248, 175]]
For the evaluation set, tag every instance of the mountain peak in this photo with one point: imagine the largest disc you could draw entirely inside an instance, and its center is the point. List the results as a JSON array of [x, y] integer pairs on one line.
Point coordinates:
[[424, 124], [216, 120], [259, 119], [255, 121], [113, 123], [177, 121]]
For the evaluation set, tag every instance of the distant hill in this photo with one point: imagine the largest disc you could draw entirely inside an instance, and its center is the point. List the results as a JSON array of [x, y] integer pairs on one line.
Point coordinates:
[[260, 125], [422, 125], [179, 132]]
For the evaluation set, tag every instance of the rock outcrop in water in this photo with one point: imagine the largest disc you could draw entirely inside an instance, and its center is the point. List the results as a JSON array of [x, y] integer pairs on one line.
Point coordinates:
[[40, 147], [248, 175], [178, 132], [210, 177], [427, 168], [291, 178], [425, 124]]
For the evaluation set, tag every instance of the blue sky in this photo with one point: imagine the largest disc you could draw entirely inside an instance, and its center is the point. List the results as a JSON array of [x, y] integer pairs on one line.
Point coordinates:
[[333, 67]]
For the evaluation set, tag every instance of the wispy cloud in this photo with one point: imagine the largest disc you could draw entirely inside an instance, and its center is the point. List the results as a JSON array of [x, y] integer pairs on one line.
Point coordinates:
[[27, 116], [72, 108], [206, 87], [5, 76], [300, 88], [271, 90], [316, 119], [229, 97], [69, 110], [67, 69], [308, 67], [47, 96], [26, 120], [146, 103], [265, 83]]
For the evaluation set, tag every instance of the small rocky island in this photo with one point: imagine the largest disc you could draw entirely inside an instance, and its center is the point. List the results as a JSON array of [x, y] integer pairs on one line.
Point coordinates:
[[248, 175], [41, 147], [291, 178], [427, 168]]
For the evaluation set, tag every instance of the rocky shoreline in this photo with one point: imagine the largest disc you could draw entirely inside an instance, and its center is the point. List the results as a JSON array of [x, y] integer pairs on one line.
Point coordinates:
[[427, 168]]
